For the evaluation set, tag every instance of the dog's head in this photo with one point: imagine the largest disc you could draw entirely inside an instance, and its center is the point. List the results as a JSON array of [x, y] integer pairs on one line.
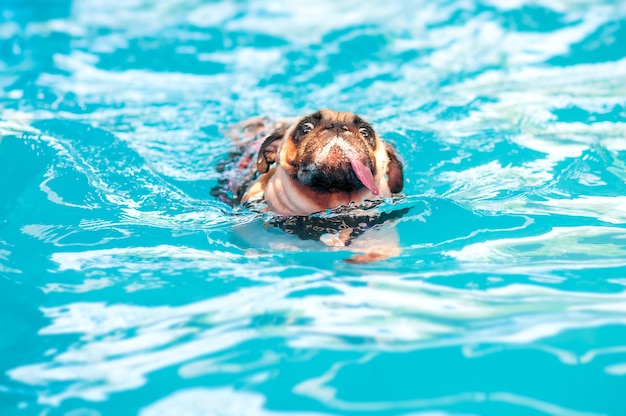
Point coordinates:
[[331, 151]]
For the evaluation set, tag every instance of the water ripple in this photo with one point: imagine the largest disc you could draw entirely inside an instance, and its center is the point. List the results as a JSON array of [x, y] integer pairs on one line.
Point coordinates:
[[128, 286]]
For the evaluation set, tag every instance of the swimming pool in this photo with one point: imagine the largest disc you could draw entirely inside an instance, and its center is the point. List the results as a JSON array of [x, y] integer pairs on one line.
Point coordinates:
[[128, 289]]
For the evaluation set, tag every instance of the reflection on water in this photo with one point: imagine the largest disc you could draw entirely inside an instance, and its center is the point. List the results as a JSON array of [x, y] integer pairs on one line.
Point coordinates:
[[126, 286], [120, 345]]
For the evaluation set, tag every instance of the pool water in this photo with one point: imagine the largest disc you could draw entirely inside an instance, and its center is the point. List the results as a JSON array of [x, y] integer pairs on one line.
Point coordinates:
[[126, 288]]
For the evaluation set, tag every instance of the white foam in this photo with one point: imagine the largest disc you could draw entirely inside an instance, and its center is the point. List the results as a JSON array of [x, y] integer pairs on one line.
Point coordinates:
[[224, 401]]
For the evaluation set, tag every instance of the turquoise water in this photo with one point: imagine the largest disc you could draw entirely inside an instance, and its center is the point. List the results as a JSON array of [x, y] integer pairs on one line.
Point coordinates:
[[127, 289]]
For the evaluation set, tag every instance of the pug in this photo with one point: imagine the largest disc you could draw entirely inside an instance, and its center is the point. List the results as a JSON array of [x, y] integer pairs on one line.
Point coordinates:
[[322, 161]]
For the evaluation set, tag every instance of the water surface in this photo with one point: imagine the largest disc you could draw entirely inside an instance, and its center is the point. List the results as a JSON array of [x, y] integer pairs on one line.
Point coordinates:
[[128, 289]]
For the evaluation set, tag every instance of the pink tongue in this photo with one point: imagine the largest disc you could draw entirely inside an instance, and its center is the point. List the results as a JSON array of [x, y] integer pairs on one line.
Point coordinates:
[[364, 175]]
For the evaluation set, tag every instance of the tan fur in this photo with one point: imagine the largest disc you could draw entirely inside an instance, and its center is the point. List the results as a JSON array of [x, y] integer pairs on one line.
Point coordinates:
[[287, 195]]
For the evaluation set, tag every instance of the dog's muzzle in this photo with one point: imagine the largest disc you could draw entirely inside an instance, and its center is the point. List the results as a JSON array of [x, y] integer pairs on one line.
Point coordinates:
[[338, 167]]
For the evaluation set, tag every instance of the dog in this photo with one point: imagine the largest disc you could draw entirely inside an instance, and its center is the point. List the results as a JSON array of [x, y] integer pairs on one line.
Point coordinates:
[[323, 161]]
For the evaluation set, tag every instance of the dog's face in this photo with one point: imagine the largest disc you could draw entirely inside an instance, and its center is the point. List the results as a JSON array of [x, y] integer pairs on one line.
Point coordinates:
[[330, 152]]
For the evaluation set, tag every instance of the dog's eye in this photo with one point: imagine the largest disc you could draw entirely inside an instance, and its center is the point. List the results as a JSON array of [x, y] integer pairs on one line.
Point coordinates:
[[364, 132], [306, 127]]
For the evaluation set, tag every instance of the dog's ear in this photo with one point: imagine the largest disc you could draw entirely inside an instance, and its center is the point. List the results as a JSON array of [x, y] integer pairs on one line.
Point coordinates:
[[395, 171], [267, 152]]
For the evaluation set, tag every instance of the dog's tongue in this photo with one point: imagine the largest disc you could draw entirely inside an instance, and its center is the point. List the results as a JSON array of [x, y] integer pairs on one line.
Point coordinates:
[[364, 174]]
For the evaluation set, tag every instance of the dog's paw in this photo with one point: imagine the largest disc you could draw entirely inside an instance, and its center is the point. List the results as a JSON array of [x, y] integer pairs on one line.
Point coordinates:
[[366, 258], [371, 256], [340, 239]]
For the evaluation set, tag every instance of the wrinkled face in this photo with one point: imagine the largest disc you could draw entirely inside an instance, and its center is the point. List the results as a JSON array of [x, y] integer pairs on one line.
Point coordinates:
[[331, 152]]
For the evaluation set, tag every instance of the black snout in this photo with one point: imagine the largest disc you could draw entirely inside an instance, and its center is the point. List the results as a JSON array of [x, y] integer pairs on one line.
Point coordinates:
[[336, 125], [340, 177]]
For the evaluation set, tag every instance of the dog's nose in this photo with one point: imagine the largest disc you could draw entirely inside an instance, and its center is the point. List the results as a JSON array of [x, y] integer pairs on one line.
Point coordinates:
[[336, 125]]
